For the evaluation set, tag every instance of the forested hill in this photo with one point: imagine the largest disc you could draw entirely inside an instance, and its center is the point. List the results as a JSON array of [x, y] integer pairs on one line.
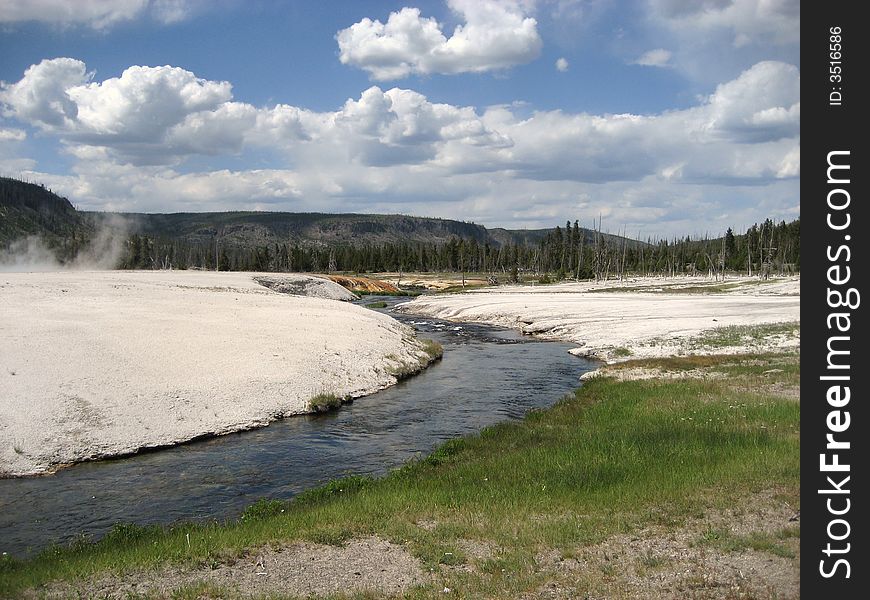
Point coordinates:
[[29, 209], [269, 228], [264, 241]]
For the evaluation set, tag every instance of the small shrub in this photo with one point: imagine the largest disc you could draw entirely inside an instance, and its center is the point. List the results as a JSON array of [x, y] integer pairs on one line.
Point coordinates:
[[433, 349], [621, 352], [376, 305], [324, 402]]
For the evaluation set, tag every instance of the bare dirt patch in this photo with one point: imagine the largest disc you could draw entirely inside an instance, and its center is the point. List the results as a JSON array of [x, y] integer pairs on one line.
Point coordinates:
[[767, 383], [751, 551], [363, 565]]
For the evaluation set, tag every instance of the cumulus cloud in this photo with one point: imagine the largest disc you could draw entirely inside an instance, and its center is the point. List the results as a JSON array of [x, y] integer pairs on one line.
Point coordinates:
[[98, 14], [762, 104], [654, 58], [41, 98], [131, 114], [397, 150], [160, 115], [562, 64], [494, 35]]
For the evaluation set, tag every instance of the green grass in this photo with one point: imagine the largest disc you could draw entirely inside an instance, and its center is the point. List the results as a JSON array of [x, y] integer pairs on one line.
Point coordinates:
[[376, 305], [433, 351], [737, 335], [324, 402], [612, 457], [744, 364], [762, 542], [621, 352]]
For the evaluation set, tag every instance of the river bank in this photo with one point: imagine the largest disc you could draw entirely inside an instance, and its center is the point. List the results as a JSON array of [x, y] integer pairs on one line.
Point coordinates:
[[667, 478], [674, 488], [487, 375], [637, 317], [102, 364]]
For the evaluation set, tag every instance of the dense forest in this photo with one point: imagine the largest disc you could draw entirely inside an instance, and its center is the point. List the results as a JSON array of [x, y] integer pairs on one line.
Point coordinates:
[[569, 252], [310, 242]]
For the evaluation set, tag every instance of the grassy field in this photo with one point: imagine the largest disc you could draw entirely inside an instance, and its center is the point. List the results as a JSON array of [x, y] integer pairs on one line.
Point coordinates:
[[615, 457]]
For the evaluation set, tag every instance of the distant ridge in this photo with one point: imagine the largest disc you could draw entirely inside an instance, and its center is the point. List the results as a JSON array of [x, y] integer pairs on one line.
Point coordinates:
[[321, 242], [31, 209]]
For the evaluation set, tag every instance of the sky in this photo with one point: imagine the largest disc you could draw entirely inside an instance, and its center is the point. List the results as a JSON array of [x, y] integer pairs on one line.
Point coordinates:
[[661, 117]]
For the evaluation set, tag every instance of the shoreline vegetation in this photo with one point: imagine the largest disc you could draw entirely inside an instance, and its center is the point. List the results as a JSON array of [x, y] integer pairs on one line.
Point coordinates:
[[627, 487], [432, 351]]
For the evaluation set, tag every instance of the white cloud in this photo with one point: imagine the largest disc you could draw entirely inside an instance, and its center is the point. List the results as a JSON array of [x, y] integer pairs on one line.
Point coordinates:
[[160, 115], [713, 40], [654, 58], [762, 104], [132, 114], [562, 64], [494, 35], [171, 11], [98, 14], [748, 21], [396, 150], [144, 102], [95, 13], [12, 135], [10, 163], [40, 97]]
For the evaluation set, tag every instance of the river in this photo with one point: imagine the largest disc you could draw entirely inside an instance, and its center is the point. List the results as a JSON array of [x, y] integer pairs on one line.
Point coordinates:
[[487, 375]]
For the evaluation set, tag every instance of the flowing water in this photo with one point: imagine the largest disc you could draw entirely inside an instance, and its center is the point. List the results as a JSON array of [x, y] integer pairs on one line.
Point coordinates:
[[487, 375]]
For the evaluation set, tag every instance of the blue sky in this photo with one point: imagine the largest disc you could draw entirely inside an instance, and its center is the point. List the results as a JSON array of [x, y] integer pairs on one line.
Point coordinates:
[[664, 116]]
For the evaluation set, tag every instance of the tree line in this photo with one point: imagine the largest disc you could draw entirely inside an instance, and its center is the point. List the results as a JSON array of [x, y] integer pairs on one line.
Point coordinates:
[[571, 252]]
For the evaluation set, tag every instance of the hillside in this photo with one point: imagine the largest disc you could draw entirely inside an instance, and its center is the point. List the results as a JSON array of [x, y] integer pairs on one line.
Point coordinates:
[[27, 209], [320, 242], [269, 228], [31, 209]]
